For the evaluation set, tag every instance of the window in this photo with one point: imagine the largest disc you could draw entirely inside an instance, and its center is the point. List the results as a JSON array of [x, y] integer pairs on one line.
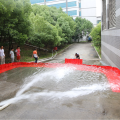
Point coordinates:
[[79, 5], [71, 13], [62, 5], [112, 13], [36, 1], [98, 21], [79, 13], [72, 4], [49, 0]]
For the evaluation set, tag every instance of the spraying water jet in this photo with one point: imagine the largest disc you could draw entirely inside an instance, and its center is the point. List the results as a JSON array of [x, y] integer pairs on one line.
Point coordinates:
[[113, 79]]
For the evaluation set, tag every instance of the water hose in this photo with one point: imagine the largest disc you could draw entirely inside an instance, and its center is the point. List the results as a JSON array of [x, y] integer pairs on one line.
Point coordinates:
[[4, 106]]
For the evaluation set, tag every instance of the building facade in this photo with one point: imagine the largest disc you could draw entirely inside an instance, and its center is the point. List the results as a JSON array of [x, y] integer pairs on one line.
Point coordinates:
[[75, 8], [110, 41]]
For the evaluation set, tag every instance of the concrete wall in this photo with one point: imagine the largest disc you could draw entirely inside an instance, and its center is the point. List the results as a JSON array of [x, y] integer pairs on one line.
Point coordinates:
[[88, 10], [88, 3], [111, 34]]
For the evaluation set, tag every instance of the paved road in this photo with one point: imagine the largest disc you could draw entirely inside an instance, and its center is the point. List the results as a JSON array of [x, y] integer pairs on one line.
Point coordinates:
[[60, 93], [85, 50]]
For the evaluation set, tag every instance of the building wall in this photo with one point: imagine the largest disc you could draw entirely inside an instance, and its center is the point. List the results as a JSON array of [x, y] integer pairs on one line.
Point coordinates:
[[88, 10], [75, 8], [110, 42]]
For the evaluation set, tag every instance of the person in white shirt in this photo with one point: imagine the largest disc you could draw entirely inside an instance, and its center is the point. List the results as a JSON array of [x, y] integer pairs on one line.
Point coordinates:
[[12, 55], [2, 56]]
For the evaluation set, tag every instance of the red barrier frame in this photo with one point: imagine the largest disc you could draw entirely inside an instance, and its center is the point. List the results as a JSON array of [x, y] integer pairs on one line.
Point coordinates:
[[112, 73], [74, 61]]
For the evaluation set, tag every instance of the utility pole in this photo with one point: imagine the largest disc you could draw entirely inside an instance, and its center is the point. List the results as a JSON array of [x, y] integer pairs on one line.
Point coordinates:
[[67, 6], [44, 2]]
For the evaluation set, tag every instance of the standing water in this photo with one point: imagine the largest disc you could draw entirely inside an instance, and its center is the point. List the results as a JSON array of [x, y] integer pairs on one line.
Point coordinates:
[[59, 83], [60, 94]]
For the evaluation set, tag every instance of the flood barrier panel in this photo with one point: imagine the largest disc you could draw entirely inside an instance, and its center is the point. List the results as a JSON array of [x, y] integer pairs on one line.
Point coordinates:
[[74, 61], [112, 73]]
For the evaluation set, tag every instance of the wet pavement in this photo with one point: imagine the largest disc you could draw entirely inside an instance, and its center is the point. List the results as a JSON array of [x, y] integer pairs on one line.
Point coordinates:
[[85, 50], [59, 93]]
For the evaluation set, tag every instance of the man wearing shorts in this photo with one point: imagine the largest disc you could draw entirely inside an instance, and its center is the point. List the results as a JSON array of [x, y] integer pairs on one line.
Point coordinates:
[[35, 55], [18, 53]]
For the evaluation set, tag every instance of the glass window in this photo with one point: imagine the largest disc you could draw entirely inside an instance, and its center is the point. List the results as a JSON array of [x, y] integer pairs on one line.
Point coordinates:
[[49, 0], [36, 1], [71, 4], [74, 12], [79, 5], [80, 13], [62, 5], [98, 21]]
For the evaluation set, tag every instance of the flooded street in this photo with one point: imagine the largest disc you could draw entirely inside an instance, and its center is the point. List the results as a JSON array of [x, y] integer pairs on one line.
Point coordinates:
[[59, 93]]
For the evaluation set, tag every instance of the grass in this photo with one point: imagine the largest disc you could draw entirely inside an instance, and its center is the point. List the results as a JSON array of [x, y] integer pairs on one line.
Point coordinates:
[[83, 41], [98, 50], [26, 54], [63, 48]]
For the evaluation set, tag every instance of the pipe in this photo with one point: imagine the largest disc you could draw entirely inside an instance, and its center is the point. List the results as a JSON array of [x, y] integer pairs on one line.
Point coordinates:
[[4, 106]]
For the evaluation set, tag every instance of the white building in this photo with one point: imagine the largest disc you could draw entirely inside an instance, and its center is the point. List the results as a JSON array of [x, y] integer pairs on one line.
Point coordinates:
[[75, 8]]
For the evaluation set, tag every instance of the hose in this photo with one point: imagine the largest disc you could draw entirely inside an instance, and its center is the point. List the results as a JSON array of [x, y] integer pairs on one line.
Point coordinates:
[[4, 106]]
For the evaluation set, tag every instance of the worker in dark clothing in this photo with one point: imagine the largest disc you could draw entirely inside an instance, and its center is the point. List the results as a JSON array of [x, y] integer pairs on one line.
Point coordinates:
[[77, 56]]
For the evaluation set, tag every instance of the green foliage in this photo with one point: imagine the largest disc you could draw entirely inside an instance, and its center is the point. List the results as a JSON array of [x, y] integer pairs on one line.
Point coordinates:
[[83, 27], [53, 25], [14, 23], [96, 35], [42, 26]]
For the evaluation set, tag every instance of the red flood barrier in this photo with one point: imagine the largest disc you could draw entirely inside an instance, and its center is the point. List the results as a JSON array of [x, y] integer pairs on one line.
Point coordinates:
[[112, 73], [74, 61]]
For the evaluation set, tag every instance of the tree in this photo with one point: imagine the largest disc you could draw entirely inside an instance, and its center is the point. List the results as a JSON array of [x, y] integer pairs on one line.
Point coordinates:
[[57, 25], [14, 24], [40, 25], [43, 33], [96, 35], [83, 27]]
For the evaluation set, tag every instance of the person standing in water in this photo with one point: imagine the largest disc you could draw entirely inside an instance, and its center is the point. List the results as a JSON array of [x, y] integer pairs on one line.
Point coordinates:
[[18, 53], [77, 56], [35, 55]]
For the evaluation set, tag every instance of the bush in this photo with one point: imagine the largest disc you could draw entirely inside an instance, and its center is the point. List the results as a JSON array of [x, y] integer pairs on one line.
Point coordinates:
[[96, 36]]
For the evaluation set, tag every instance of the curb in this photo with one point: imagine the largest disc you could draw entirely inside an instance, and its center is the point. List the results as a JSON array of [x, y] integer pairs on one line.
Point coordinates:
[[50, 58], [97, 53], [42, 60], [64, 49]]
